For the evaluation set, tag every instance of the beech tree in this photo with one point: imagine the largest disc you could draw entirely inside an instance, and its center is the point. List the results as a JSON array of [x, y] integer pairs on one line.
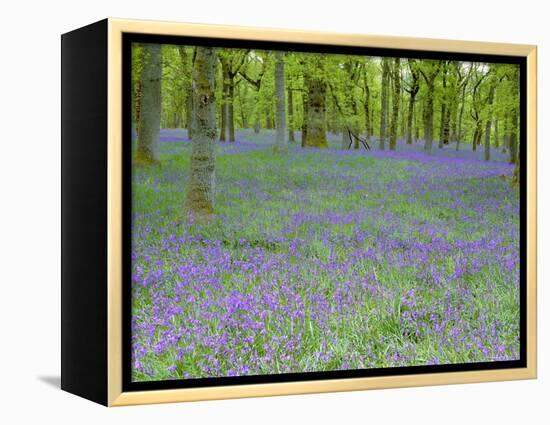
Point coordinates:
[[149, 105], [322, 95], [200, 192], [412, 86], [316, 107], [429, 71], [231, 63]]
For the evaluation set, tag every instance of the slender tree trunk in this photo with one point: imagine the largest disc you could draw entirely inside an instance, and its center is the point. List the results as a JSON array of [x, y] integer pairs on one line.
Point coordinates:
[[150, 104], [488, 123], [429, 117], [384, 103], [454, 123], [137, 105], [497, 135], [354, 126], [368, 118], [290, 101], [280, 114], [444, 122], [459, 134], [242, 108], [231, 109], [410, 112], [346, 140], [224, 124], [189, 113], [257, 122], [506, 132], [515, 146], [402, 113], [136, 93], [395, 107], [316, 113], [513, 142], [304, 120], [200, 194], [417, 122], [223, 121]]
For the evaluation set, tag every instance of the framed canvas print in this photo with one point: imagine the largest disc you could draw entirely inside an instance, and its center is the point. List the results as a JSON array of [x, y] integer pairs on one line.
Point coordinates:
[[251, 212]]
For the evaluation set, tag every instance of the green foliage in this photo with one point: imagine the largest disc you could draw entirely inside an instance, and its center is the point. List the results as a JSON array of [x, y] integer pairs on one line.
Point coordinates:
[[354, 86]]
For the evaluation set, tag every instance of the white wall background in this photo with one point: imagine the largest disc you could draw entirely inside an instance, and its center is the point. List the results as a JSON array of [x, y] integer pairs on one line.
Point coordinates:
[[30, 212]]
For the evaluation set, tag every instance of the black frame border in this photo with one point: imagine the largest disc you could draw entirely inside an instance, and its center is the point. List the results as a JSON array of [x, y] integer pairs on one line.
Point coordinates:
[[129, 385]]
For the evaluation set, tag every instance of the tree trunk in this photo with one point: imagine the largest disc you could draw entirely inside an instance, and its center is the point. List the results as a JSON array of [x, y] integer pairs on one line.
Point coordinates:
[[346, 139], [410, 112], [231, 110], [488, 124], [223, 121], [189, 113], [316, 114], [443, 108], [429, 117], [280, 115], [368, 118], [200, 194], [476, 139], [513, 142], [224, 115], [384, 103], [290, 101], [497, 135], [304, 120], [459, 134], [416, 123], [395, 107], [506, 132], [257, 122], [150, 104]]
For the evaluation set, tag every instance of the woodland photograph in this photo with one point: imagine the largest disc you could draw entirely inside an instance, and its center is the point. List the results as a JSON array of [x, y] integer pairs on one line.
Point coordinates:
[[306, 212]]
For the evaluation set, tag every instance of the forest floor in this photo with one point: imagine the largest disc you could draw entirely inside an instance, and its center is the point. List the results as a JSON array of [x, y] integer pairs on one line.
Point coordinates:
[[323, 260]]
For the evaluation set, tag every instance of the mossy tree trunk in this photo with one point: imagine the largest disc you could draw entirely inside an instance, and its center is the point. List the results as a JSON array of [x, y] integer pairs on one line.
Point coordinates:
[[150, 104], [316, 121], [429, 74], [200, 194]]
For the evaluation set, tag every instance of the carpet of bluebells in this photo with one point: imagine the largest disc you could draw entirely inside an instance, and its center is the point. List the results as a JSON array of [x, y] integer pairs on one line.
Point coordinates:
[[324, 260]]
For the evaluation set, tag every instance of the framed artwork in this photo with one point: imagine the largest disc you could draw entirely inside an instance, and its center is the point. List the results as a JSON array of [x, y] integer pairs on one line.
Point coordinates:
[[251, 212]]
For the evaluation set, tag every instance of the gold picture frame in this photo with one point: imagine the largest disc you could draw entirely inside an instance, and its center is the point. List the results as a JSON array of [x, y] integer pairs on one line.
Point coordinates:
[[115, 396]]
